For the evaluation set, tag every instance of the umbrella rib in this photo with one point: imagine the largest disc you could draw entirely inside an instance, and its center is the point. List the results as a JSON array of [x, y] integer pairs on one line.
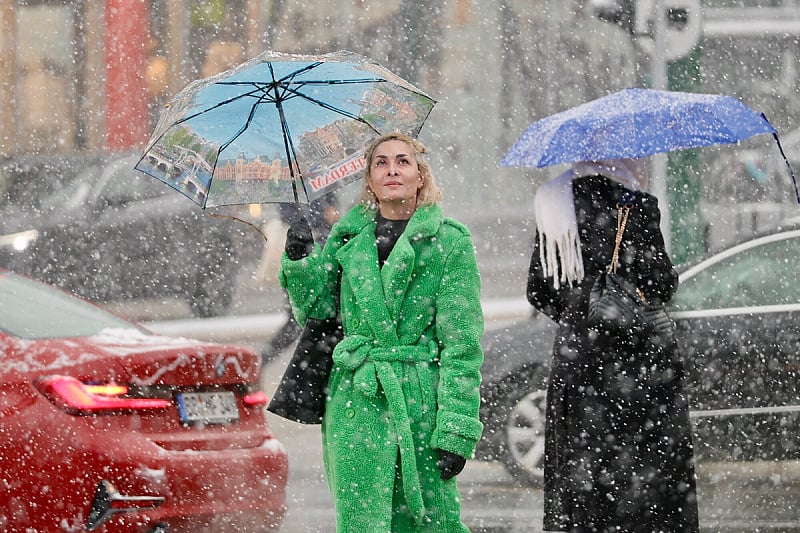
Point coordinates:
[[288, 145], [294, 74], [264, 88], [306, 82], [291, 157], [331, 108], [340, 82], [291, 76], [259, 87], [243, 128], [253, 93]]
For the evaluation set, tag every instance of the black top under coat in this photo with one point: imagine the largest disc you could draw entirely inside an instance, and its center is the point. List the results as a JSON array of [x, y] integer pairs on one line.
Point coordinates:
[[386, 234]]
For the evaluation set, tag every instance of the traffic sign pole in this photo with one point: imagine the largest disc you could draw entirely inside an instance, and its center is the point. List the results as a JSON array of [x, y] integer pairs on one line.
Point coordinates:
[[675, 180], [658, 66]]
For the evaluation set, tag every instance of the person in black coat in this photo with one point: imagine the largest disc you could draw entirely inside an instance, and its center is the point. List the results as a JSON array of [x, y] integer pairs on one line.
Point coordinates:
[[618, 448], [320, 214]]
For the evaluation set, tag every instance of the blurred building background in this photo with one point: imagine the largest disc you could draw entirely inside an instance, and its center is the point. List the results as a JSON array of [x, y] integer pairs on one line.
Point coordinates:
[[93, 74]]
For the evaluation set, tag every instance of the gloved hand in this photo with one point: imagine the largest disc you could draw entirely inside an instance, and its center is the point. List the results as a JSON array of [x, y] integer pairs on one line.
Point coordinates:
[[299, 240], [450, 464]]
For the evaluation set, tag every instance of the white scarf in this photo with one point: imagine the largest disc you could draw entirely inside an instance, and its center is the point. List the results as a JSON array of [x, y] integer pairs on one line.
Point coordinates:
[[554, 210]]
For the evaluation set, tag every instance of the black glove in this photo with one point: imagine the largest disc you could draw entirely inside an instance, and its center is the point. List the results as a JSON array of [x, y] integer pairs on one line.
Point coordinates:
[[299, 240], [450, 464]]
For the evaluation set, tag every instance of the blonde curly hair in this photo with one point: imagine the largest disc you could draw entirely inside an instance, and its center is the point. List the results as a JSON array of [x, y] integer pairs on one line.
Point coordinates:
[[429, 194]]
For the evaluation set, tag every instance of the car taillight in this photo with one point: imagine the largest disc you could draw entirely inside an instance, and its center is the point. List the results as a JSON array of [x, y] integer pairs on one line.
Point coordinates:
[[255, 399], [76, 397]]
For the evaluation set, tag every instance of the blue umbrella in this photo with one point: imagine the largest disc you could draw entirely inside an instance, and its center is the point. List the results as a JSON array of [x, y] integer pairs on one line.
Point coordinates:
[[279, 128], [636, 123]]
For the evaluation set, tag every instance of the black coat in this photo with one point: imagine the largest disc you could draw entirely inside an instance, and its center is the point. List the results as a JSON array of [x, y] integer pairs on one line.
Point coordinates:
[[618, 447]]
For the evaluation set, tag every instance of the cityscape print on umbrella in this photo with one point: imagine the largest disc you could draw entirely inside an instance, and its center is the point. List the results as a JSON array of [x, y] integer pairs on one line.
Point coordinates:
[[279, 128]]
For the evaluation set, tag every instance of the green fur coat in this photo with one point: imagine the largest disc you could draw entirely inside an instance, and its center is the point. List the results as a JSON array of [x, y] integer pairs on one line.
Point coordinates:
[[406, 377]]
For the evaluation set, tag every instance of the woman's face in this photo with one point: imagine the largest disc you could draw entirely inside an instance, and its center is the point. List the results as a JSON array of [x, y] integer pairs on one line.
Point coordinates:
[[394, 174]]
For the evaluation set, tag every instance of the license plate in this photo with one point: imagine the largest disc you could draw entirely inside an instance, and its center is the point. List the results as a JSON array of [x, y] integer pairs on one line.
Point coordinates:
[[208, 407]]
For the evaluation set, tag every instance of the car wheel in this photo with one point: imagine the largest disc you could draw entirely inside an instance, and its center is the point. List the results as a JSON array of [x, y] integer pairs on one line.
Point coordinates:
[[523, 428]]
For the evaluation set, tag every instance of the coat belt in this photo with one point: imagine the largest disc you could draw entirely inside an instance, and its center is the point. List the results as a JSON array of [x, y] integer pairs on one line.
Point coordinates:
[[371, 365]]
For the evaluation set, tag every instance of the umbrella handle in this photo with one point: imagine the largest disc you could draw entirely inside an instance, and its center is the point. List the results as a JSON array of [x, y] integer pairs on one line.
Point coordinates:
[[217, 215], [785, 159], [789, 166]]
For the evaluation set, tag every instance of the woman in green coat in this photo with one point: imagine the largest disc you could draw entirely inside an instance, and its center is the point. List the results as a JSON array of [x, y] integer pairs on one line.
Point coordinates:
[[402, 412]]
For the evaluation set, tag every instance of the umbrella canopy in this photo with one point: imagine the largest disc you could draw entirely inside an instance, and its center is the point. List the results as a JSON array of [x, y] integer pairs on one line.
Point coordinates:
[[279, 128], [635, 123]]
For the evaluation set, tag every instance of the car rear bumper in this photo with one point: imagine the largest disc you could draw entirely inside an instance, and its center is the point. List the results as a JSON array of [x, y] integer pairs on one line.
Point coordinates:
[[225, 490], [240, 489]]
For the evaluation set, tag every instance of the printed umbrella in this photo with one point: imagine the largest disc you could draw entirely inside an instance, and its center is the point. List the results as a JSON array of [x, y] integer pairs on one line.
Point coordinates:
[[636, 123], [279, 128]]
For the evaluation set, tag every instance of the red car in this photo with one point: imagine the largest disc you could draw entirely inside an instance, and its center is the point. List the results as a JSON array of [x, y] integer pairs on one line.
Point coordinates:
[[105, 426]]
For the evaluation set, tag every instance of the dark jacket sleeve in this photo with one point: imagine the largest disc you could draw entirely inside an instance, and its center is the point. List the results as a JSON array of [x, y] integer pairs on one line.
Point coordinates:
[[540, 291], [652, 267]]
